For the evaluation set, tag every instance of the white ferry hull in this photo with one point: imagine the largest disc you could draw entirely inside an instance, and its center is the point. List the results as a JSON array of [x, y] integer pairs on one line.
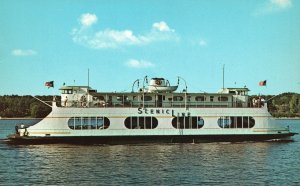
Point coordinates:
[[54, 128]]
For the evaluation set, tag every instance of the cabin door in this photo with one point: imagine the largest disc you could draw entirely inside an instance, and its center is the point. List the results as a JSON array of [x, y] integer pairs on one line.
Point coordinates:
[[159, 100]]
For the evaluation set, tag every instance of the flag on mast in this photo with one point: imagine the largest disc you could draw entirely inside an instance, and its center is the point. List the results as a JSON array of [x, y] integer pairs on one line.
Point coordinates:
[[49, 84], [263, 83]]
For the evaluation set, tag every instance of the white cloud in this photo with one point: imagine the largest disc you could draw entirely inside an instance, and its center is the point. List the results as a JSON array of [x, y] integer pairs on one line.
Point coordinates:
[[20, 52], [110, 38], [134, 63], [281, 3], [88, 19], [273, 6], [162, 26], [202, 43]]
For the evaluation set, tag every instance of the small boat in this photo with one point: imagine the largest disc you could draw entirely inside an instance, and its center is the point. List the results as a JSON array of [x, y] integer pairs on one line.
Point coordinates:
[[155, 112]]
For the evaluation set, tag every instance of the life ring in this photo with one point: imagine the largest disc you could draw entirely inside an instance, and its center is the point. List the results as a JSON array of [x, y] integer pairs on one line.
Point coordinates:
[[158, 82]]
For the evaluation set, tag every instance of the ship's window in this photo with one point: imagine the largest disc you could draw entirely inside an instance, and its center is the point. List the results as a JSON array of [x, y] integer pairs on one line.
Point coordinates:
[[78, 123], [236, 122], [87, 123], [200, 98], [92, 91], [71, 123], [122, 98], [189, 122], [223, 98], [224, 122], [100, 97], [147, 98], [67, 91], [177, 98], [141, 122]]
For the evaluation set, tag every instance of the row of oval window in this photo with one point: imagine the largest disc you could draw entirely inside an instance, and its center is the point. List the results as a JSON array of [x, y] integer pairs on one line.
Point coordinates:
[[174, 98], [192, 122]]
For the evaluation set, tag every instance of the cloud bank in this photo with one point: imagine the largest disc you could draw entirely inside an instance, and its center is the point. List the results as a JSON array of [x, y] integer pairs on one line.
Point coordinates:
[[111, 38]]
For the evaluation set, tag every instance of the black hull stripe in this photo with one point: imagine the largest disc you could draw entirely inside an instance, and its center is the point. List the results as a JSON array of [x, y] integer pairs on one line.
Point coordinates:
[[144, 139]]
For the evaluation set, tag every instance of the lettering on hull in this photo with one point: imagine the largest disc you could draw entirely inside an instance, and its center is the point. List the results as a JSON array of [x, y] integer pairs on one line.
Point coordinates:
[[150, 111]]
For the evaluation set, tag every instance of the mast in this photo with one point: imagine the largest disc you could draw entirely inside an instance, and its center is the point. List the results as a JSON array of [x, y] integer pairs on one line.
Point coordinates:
[[223, 74]]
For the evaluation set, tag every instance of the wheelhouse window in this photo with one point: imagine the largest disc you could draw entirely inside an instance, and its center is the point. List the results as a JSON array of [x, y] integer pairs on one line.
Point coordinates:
[[141, 122], [236, 122], [86, 123], [189, 122]]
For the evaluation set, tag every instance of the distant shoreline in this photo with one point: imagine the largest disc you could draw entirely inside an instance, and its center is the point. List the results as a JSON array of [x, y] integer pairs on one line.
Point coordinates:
[[14, 118], [293, 118]]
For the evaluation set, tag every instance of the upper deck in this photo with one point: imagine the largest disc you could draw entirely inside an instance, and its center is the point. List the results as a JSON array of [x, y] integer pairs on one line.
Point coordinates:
[[159, 94]]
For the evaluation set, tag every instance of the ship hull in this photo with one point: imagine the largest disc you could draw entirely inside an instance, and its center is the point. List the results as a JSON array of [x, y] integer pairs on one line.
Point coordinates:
[[85, 140]]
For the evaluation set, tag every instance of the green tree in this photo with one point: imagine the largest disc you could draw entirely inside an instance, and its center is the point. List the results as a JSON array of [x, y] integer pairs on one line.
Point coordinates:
[[34, 108], [294, 103]]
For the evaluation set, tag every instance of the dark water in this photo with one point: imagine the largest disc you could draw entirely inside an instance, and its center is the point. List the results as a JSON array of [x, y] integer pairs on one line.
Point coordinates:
[[248, 163]]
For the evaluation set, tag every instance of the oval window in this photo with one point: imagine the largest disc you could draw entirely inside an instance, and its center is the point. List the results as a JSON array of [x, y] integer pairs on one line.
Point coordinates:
[[200, 98], [177, 98], [193, 122], [83, 123], [224, 122], [141, 122]]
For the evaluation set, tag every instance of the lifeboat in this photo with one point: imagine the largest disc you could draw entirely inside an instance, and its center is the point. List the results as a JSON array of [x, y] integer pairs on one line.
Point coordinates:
[[161, 85]]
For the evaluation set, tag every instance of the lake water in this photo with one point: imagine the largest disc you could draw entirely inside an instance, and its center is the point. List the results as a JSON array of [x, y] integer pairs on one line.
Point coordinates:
[[247, 163]]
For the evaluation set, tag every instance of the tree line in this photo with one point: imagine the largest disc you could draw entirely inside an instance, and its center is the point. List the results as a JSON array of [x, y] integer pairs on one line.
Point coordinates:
[[14, 106], [285, 105], [11, 106]]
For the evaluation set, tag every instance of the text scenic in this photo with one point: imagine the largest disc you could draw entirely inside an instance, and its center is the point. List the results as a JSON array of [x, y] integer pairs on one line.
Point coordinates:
[[157, 111]]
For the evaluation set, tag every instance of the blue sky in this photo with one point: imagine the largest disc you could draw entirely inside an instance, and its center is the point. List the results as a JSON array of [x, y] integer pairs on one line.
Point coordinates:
[[121, 41]]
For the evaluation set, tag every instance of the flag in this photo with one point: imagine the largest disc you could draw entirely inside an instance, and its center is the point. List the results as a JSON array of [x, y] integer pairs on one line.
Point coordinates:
[[263, 83], [49, 84]]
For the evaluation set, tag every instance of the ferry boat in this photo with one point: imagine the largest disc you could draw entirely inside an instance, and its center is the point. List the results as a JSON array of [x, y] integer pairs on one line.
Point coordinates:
[[155, 112]]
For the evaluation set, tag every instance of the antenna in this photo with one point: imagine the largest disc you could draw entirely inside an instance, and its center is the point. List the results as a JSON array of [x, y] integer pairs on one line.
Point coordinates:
[[88, 77]]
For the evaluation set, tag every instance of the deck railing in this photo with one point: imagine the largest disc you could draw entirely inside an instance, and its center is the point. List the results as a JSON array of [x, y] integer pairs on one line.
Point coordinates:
[[148, 104]]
